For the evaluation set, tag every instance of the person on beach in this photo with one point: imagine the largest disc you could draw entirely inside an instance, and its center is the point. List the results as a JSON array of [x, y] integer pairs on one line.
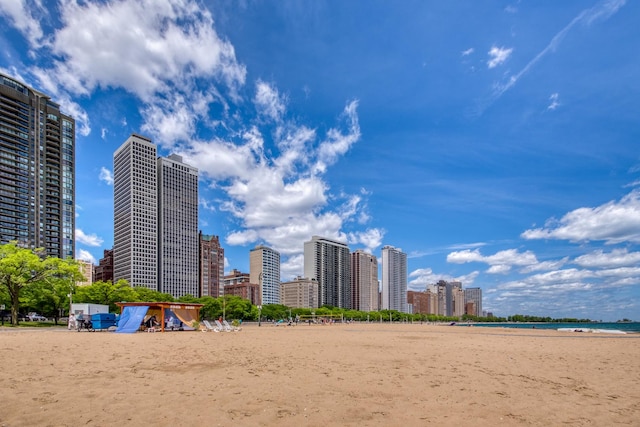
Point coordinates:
[[71, 324]]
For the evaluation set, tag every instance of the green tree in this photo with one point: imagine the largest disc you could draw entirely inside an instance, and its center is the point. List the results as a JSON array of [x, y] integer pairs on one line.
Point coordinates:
[[212, 308], [106, 293], [146, 294], [275, 311], [21, 268], [237, 308]]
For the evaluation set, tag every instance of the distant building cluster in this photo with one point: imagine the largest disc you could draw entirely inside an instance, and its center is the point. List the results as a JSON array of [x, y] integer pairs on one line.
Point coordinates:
[[157, 244], [446, 299]]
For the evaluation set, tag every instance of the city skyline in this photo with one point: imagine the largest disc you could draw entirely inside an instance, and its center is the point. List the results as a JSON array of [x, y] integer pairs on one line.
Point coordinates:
[[496, 144]]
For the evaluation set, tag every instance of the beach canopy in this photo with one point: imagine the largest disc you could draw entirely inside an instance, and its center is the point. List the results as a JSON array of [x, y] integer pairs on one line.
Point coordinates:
[[132, 314]]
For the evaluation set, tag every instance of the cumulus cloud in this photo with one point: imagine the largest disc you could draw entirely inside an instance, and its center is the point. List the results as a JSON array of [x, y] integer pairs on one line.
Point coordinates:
[[498, 55], [280, 197], [157, 42], [370, 238], [545, 266], [467, 52], [106, 176], [507, 257], [615, 258], [87, 239], [613, 222], [165, 52]]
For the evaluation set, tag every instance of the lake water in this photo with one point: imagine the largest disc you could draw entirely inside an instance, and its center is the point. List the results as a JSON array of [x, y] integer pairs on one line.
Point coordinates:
[[603, 327]]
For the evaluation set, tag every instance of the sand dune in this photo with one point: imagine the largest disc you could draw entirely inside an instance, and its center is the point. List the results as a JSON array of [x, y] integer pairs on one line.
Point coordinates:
[[356, 375]]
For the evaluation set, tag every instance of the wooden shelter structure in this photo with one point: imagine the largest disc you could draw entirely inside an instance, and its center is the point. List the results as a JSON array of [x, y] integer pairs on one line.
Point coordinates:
[[138, 312]]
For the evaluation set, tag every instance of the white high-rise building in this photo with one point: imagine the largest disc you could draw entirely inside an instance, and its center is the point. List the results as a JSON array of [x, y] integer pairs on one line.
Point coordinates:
[[394, 279], [327, 261], [264, 269], [177, 227], [135, 213], [364, 281]]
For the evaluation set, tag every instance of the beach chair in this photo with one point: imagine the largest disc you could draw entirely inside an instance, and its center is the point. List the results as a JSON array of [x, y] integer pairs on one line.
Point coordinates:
[[230, 327], [222, 327], [209, 327]]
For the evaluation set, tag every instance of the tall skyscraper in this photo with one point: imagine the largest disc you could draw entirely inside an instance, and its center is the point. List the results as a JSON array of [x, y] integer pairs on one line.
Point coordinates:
[[37, 170], [135, 213], [364, 281], [264, 269], [178, 227], [211, 266], [394, 279], [327, 261]]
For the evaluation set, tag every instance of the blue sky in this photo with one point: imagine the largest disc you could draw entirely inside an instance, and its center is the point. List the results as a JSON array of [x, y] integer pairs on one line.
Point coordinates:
[[494, 142]]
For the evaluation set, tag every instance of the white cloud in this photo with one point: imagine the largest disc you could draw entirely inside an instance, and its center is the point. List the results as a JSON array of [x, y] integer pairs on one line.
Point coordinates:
[[498, 55], [268, 101], [467, 52], [157, 42], [292, 267], [205, 204], [280, 197], [338, 143], [613, 222], [545, 266], [20, 12], [615, 258], [499, 269], [507, 257], [371, 238], [87, 239], [160, 49], [85, 256], [106, 176], [554, 101]]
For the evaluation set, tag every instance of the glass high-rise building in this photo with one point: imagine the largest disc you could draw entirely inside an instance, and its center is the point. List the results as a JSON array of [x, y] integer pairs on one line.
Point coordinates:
[[135, 213], [327, 261], [264, 269], [394, 279], [37, 170]]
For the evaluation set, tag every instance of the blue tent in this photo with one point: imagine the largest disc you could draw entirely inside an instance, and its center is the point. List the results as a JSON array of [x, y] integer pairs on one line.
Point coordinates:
[[131, 318]]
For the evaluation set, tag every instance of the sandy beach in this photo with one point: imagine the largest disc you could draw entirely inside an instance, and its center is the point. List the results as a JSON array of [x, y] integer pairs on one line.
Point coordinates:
[[352, 374]]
